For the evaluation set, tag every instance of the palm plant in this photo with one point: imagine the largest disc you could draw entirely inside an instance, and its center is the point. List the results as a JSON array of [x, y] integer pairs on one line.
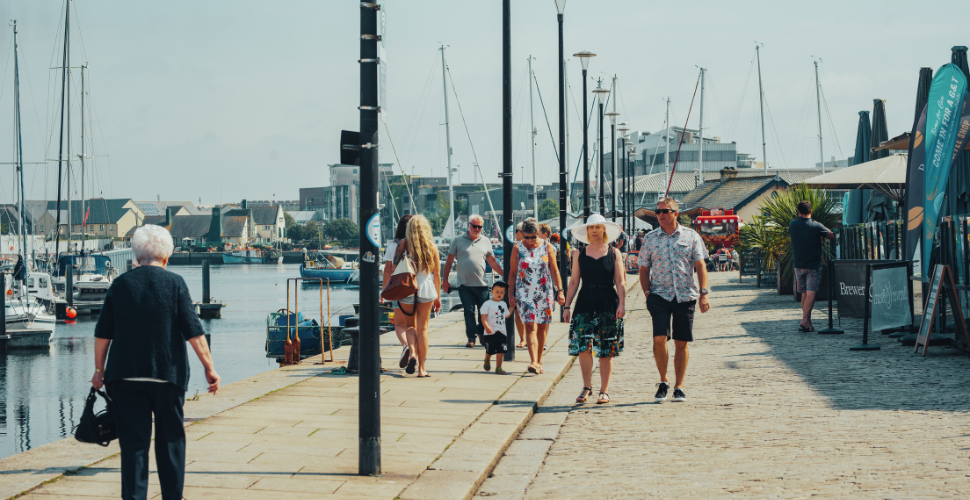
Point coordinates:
[[768, 233]]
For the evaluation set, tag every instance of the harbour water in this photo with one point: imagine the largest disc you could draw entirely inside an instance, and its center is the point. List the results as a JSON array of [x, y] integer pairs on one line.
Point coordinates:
[[42, 393]]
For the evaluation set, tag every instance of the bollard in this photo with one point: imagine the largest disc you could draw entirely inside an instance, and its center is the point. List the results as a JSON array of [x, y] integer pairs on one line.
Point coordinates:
[[205, 282], [69, 287], [3, 310]]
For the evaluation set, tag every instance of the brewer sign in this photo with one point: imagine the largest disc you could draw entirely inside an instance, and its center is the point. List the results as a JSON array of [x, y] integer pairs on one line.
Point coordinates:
[[888, 293]]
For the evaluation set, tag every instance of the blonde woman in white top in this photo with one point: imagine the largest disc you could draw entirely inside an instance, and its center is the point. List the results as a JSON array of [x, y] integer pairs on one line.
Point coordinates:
[[427, 264]]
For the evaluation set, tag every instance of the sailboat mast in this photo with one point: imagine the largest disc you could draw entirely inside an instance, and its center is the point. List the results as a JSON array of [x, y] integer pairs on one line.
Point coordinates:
[[761, 97], [663, 185], [818, 98], [60, 153], [83, 91], [535, 196], [700, 130], [20, 143], [451, 187]]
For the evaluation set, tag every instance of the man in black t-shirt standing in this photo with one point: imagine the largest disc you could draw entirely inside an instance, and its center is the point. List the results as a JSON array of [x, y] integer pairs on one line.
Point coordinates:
[[807, 237]]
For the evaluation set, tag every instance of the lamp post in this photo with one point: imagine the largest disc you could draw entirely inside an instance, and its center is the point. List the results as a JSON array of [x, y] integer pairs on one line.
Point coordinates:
[[369, 403], [622, 129], [563, 189], [631, 169], [507, 144], [601, 94], [613, 114], [584, 57]]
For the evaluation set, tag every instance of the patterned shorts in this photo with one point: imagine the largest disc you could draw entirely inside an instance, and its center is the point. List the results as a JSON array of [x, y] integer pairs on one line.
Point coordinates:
[[808, 280]]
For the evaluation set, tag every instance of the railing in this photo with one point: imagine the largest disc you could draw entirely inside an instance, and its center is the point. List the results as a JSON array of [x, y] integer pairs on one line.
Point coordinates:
[[871, 241]]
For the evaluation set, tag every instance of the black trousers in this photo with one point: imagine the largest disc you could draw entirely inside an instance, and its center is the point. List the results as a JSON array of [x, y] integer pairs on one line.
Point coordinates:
[[134, 405], [472, 299]]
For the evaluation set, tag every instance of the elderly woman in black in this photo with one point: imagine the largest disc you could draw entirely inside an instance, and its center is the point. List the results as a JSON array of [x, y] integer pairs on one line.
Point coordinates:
[[147, 318]]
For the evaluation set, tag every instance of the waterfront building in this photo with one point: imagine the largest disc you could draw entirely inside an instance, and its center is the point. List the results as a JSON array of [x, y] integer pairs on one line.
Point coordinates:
[[96, 217]]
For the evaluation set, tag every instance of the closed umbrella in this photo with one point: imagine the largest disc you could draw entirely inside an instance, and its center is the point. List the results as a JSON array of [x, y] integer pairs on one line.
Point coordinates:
[[914, 175], [852, 211], [879, 206], [958, 188]]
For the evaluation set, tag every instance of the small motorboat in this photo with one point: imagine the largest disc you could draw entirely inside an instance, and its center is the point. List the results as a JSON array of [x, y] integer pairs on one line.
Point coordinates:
[[308, 331], [244, 256], [330, 266]]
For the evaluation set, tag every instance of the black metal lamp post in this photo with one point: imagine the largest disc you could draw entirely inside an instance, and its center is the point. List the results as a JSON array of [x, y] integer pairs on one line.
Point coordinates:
[[622, 129], [631, 171], [584, 57], [369, 403], [563, 189], [613, 115], [601, 94], [507, 146]]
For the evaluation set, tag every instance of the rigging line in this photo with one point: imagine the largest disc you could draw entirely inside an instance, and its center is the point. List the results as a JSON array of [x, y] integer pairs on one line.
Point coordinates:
[[517, 112], [3, 85], [801, 120], [404, 175], [582, 149], [777, 140], [33, 100], [554, 149], [744, 93], [653, 161], [717, 103], [832, 125], [468, 134], [422, 104], [682, 132], [423, 108]]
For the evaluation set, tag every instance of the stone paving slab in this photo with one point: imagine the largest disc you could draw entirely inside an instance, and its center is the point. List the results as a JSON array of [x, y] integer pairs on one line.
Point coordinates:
[[772, 413], [292, 432]]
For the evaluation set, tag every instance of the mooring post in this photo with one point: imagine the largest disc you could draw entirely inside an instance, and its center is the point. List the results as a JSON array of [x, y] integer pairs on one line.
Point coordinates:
[[3, 310], [68, 285], [205, 282]]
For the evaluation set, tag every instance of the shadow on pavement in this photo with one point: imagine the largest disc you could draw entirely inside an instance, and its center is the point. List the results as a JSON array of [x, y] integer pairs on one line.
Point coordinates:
[[892, 378]]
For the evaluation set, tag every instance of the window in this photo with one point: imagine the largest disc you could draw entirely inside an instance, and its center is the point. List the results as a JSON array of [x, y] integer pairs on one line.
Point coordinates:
[[100, 227], [267, 228]]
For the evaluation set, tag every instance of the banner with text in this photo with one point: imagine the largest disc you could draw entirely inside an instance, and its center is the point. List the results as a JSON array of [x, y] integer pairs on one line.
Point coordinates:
[[945, 105]]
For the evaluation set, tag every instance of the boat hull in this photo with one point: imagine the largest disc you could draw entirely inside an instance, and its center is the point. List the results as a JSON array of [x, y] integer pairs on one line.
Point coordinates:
[[334, 275], [234, 259]]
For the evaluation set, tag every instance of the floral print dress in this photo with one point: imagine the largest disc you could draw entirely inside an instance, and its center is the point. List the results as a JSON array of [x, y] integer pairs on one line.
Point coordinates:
[[533, 284]]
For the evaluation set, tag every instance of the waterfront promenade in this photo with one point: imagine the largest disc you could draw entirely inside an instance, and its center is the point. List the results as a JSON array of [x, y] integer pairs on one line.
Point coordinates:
[[771, 413], [292, 432]]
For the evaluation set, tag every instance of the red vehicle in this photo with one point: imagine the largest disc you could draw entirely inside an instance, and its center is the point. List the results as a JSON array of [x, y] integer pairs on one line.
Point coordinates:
[[719, 227]]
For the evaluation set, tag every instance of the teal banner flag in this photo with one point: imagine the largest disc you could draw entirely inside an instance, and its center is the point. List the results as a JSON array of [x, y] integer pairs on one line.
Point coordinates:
[[943, 109]]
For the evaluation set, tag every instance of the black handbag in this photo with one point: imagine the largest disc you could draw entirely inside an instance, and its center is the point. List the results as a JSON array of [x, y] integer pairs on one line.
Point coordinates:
[[96, 428]]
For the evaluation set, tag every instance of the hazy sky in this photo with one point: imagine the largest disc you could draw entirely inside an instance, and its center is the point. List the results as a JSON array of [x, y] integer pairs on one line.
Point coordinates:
[[224, 100]]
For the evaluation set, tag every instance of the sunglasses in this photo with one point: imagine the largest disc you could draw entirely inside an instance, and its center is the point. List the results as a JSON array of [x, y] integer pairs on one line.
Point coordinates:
[[529, 237], [476, 226], [666, 211]]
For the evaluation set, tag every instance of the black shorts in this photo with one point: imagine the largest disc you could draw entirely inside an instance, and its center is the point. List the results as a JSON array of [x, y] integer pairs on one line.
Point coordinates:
[[682, 314], [495, 343]]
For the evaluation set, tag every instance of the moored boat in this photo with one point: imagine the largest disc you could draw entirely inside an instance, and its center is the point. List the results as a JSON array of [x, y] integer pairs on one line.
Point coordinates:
[[244, 256]]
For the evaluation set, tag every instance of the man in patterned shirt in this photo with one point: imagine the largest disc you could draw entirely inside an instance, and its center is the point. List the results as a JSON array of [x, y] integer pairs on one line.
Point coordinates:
[[668, 259]]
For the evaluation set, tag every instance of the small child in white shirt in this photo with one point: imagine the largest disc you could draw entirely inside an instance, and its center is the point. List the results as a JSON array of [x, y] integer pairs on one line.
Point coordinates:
[[493, 314]]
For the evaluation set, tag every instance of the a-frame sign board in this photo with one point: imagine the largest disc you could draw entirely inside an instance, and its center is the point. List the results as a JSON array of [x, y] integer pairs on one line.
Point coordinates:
[[932, 306]]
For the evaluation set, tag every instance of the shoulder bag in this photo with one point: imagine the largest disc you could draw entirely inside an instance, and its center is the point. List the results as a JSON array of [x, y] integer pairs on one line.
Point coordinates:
[[403, 282]]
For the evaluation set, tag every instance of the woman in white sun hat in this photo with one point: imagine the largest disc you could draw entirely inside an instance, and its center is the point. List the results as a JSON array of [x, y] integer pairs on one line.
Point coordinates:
[[596, 326]]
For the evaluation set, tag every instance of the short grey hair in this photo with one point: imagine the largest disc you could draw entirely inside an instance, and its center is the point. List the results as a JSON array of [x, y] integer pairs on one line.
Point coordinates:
[[151, 243], [476, 217], [530, 226], [669, 200]]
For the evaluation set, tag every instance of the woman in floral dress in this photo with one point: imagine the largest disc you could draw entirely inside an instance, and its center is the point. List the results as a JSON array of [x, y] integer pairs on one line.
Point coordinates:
[[535, 279], [596, 327]]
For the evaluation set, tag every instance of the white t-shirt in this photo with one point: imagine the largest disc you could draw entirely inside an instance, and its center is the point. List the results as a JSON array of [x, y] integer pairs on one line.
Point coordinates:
[[495, 312], [389, 253]]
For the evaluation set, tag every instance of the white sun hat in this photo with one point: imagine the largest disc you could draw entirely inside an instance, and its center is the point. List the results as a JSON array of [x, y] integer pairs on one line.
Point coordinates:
[[613, 230]]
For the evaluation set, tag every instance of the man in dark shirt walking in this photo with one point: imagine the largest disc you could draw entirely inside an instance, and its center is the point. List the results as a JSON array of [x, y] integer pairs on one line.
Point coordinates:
[[807, 237]]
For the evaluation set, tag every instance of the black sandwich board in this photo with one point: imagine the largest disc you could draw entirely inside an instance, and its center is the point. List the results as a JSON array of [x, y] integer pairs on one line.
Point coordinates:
[[940, 273]]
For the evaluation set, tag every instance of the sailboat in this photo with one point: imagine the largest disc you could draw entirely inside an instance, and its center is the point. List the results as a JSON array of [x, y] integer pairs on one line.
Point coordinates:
[[22, 311], [92, 273]]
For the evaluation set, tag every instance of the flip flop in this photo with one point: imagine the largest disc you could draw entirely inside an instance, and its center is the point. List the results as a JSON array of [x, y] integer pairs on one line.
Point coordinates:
[[411, 364], [488, 366], [803, 329]]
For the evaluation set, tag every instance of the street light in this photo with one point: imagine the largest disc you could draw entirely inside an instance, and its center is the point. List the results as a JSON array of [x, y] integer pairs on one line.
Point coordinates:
[[584, 57], [631, 168], [601, 94], [613, 115], [622, 129], [563, 189]]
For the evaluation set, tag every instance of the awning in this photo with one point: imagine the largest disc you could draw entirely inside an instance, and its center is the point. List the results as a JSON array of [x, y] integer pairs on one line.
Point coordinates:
[[886, 175], [901, 143]]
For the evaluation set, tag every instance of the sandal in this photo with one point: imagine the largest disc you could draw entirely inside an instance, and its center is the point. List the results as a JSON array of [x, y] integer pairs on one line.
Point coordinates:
[[488, 366], [411, 364], [604, 398], [520, 346], [470, 345], [584, 395], [499, 371], [532, 369]]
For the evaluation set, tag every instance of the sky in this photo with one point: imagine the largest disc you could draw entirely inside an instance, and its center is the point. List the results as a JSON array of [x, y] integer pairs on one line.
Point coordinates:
[[219, 101]]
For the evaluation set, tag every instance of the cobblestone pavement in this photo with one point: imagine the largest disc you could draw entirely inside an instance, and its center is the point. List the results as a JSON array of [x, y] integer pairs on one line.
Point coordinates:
[[771, 413]]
